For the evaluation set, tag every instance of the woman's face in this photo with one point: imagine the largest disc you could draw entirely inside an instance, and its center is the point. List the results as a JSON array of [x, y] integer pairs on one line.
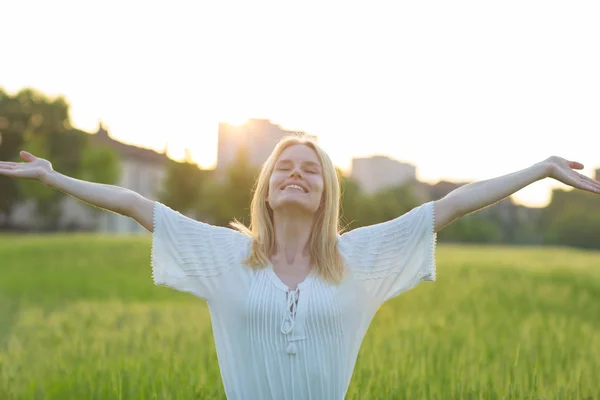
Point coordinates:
[[297, 180]]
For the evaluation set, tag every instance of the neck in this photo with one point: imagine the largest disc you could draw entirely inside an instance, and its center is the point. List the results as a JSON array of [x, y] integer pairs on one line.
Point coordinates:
[[292, 233]]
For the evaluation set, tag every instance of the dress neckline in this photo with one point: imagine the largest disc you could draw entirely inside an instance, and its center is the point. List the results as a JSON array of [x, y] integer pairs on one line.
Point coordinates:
[[279, 283]]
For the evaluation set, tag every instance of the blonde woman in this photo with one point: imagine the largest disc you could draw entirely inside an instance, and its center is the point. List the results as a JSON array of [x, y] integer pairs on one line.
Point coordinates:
[[291, 299]]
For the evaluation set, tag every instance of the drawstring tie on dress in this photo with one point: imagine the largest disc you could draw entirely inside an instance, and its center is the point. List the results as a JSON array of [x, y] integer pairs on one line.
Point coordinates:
[[289, 320]]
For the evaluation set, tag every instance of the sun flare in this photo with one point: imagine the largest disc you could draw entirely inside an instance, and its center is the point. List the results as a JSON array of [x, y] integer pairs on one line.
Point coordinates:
[[234, 117]]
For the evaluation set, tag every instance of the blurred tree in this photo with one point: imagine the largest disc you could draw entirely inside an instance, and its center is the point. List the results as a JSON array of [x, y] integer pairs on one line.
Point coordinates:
[[393, 202], [386, 204], [526, 232], [99, 164], [239, 188], [572, 218], [39, 121], [183, 185], [11, 140], [575, 227], [36, 123], [352, 202], [472, 228], [211, 206], [228, 197]]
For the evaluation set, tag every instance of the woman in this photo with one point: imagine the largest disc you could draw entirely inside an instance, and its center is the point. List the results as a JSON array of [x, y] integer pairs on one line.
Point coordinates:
[[290, 299]]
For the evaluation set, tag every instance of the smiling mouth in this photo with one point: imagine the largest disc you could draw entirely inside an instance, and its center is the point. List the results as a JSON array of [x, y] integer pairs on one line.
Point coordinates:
[[295, 188]]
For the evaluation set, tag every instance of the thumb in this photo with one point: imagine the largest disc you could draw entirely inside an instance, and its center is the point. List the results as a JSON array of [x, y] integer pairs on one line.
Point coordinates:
[[27, 156], [576, 165]]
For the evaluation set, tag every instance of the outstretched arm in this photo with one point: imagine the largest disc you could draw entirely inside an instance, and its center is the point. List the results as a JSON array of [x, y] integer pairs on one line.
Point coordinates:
[[113, 198], [477, 195]]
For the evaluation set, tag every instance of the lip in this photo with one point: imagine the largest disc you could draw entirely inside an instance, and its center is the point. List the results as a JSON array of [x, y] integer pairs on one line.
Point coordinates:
[[294, 183]]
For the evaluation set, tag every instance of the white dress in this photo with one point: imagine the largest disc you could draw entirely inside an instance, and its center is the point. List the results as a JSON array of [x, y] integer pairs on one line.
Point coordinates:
[[269, 347]]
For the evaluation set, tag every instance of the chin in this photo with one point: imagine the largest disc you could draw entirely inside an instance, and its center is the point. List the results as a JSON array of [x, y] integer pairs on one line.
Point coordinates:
[[293, 204]]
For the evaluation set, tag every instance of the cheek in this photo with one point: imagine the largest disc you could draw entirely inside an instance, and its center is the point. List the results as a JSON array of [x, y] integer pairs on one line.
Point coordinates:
[[272, 183], [319, 186]]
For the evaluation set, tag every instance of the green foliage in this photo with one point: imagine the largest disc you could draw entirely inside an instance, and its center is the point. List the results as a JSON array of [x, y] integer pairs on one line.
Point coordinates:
[[472, 228], [11, 123], [352, 202], [81, 319], [214, 199], [34, 122], [184, 184], [99, 164], [37, 145], [228, 197], [359, 209], [389, 203], [239, 188], [578, 227], [212, 205], [44, 124], [572, 218]]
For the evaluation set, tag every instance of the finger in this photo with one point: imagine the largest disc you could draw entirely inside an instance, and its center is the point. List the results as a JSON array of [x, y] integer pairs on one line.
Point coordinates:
[[27, 156], [575, 165], [7, 166], [7, 163], [16, 173], [590, 181], [585, 184], [6, 171], [592, 189]]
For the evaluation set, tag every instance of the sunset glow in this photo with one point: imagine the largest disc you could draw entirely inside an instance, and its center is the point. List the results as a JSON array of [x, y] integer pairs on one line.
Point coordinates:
[[464, 90]]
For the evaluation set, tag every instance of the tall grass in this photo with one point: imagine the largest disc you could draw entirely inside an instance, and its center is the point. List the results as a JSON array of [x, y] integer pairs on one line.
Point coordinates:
[[81, 319]]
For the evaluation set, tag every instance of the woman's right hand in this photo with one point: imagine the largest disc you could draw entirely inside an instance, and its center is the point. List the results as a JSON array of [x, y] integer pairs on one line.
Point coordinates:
[[34, 168]]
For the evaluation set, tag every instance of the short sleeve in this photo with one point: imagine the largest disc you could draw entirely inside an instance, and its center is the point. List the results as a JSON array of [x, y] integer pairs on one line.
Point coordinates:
[[394, 256], [192, 256]]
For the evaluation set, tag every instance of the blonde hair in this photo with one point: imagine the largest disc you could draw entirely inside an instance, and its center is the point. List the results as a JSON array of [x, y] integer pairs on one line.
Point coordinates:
[[323, 245]]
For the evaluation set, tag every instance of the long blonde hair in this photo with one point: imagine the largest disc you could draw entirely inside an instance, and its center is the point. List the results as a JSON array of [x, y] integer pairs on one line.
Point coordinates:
[[323, 245]]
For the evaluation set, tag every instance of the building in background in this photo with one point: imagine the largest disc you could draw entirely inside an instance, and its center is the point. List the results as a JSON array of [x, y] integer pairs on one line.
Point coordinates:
[[142, 170], [379, 172], [257, 137]]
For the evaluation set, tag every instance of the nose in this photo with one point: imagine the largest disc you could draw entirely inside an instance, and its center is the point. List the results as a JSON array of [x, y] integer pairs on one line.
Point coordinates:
[[295, 172]]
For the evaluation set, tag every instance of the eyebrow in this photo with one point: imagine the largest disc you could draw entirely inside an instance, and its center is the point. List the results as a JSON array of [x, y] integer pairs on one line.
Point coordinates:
[[310, 163]]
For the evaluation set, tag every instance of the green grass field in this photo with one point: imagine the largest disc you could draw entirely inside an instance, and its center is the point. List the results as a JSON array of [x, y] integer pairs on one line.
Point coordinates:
[[80, 318]]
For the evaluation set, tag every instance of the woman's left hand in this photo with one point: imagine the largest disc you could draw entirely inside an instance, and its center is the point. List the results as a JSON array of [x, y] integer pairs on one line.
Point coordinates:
[[563, 170]]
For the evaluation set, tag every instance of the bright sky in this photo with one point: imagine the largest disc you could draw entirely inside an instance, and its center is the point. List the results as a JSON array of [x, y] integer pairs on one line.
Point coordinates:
[[466, 90]]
